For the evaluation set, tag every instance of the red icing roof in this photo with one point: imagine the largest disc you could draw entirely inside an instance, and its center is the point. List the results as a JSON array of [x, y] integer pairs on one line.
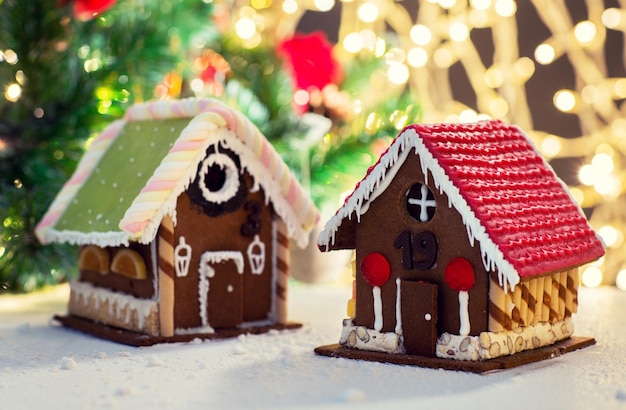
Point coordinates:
[[524, 208]]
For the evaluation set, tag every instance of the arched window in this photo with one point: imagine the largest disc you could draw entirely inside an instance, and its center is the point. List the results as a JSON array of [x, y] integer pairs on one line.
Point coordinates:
[[129, 263], [94, 258]]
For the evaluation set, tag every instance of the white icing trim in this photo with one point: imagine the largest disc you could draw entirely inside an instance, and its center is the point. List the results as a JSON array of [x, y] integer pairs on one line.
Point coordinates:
[[380, 177], [398, 308], [378, 309], [256, 256], [194, 330], [464, 329], [206, 271], [231, 183], [181, 262], [118, 303]]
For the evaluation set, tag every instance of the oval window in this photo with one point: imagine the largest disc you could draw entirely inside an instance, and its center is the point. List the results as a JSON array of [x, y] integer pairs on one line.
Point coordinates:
[[420, 202], [219, 178], [219, 185]]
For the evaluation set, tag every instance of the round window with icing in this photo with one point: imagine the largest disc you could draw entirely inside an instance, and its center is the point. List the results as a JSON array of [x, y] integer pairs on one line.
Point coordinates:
[[219, 185], [420, 202], [219, 178]]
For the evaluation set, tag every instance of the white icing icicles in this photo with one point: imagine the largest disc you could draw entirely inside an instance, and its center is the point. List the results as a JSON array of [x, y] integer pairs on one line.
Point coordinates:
[[378, 309]]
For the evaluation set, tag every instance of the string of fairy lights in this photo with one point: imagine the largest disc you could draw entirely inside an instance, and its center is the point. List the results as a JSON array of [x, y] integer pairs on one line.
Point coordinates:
[[423, 48], [419, 51]]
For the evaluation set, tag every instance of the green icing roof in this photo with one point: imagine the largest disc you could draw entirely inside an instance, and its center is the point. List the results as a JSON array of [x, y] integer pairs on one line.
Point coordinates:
[[122, 172]]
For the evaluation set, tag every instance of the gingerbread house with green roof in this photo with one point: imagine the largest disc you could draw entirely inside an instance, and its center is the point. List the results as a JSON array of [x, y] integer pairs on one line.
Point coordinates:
[[184, 214]]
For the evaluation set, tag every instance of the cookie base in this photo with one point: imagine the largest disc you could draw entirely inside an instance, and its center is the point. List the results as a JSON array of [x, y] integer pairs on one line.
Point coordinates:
[[129, 338], [498, 363]]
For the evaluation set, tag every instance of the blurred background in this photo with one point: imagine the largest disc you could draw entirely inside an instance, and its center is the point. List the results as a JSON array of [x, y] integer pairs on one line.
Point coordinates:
[[329, 82]]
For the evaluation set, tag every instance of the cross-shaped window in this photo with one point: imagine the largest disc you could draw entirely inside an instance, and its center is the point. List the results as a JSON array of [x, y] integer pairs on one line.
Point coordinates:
[[420, 203]]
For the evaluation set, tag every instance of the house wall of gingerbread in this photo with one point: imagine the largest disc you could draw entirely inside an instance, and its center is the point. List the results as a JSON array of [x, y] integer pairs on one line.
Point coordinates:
[[233, 296], [386, 219]]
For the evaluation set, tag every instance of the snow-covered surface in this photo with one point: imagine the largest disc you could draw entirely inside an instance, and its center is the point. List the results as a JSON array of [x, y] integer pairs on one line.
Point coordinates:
[[44, 366]]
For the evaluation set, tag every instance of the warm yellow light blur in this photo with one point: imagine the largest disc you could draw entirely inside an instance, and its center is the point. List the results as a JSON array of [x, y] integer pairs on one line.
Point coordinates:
[[592, 277], [468, 116], [417, 57], [505, 8], [612, 18], [585, 31], [480, 4], [618, 127], [619, 88], [550, 146], [368, 12], [611, 236], [290, 6], [368, 37], [564, 100], [443, 57], [260, 4], [478, 18], [587, 174], [498, 107], [301, 97], [590, 94], [609, 186], [353, 43], [602, 163], [380, 47], [13, 92], [545, 54], [324, 5], [395, 56], [420, 34], [10, 56], [398, 74], [245, 28], [458, 32], [524, 68], [446, 4], [493, 77], [577, 194], [620, 280]]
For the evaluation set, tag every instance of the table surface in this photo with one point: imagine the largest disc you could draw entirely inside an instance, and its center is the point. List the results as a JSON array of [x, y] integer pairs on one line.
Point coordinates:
[[43, 365]]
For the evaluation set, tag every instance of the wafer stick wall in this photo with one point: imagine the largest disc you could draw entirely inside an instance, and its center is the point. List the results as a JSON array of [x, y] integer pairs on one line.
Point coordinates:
[[549, 298], [283, 262], [166, 276]]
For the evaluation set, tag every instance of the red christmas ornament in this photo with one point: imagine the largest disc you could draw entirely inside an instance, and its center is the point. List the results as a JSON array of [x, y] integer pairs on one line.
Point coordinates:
[[459, 275], [310, 59], [375, 269], [85, 10]]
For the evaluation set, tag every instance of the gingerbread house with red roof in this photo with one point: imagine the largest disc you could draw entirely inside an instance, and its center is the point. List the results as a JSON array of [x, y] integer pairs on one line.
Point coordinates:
[[184, 214], [467, 247]]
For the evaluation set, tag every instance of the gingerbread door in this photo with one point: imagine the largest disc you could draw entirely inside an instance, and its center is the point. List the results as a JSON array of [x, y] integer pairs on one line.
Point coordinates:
[[220, 289], [419, 317]]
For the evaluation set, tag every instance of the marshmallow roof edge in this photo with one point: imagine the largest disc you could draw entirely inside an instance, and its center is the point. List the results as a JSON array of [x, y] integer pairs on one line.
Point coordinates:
[[160, 164]]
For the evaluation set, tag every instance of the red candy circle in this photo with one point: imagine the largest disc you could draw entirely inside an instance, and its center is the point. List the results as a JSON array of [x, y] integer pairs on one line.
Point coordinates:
[[459, 274], [375, 269]]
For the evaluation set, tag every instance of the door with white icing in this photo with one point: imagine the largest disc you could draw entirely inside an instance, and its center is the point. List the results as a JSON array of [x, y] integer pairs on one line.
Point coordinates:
[[418, 309], [220, 289]]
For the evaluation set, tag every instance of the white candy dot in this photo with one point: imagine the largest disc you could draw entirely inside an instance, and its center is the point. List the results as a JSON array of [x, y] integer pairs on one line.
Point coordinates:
[[428, 317]]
